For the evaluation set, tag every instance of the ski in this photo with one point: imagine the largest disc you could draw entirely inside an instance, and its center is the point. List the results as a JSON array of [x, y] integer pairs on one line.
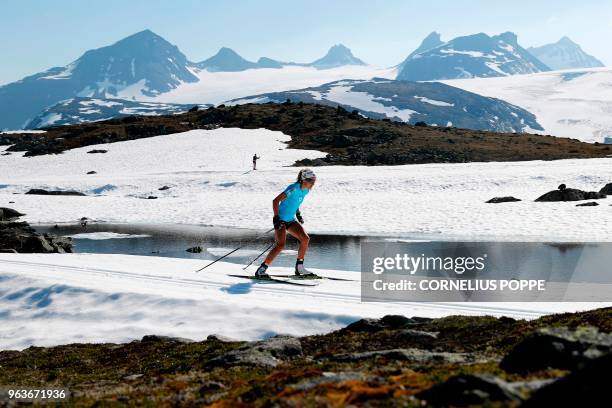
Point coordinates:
[[272, 280], [312, 276]]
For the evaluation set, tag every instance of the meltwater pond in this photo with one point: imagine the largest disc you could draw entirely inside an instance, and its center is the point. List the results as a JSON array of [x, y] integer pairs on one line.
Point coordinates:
[[587, 262]]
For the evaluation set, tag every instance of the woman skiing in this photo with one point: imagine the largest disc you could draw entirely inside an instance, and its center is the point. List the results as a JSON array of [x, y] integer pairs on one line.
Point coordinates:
[[287, 219]]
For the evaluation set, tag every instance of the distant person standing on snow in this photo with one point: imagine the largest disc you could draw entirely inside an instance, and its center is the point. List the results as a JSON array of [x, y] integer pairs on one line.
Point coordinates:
[[287, 219], [255, 157]]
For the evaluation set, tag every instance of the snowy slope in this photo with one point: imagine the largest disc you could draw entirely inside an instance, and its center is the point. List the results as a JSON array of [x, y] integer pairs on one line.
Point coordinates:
[[570, 103], [81, 110], [58, 299], [431, 102], [210, 184]]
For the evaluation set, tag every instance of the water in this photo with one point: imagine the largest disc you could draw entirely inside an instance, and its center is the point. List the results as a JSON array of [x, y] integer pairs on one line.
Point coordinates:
[[325, 251], [587, 262]]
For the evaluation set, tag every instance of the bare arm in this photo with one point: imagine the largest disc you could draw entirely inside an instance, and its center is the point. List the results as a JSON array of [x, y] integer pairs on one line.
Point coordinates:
[[276, 202]]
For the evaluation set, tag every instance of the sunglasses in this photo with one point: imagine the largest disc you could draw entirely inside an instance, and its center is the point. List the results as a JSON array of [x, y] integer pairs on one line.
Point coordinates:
[[310, 180]]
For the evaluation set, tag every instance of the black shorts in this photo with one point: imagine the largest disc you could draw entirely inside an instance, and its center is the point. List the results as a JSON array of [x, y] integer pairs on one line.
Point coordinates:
[[286, 224]]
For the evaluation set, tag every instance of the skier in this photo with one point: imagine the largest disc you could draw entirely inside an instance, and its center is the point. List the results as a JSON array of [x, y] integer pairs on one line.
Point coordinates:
[[287, 219], [255, 157]]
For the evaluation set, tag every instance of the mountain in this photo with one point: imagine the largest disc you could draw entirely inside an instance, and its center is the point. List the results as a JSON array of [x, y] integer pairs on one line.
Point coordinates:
[[228, 60], [573, 103], [143, 64], [433, 40], [80, 110], [412, 102], [564, 54], [477, 55], [337, 56]]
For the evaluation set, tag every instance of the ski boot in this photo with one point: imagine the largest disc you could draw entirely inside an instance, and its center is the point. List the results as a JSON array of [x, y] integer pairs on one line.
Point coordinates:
[[302, 272], [261, 272]]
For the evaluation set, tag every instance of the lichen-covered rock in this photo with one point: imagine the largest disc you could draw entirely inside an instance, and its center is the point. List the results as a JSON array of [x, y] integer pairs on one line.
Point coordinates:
[[557, 347], [266, 353], [410, 354]]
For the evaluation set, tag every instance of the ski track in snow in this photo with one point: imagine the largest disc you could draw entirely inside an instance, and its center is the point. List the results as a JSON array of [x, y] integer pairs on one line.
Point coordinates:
[[57, 299]]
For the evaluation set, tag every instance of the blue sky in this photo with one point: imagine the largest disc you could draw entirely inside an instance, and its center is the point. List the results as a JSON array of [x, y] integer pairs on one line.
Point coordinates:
[[38, 34]]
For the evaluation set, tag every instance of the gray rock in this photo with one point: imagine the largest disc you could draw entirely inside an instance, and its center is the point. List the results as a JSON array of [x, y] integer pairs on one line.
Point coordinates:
[[391, 322], [195, 249], [8, 214], [588, 386], [557, 347], [497, 200], [333, 378], [265, 353], [153, 338], [589, 204], [411, 334], [467, 390], [132, 377], [220, 338], [409, 354], [570, 194], [40, 191], [607, 189], [94, 151]]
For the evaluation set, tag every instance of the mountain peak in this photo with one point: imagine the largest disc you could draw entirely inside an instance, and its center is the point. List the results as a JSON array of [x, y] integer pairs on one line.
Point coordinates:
[[432, 40], [336, 56], [144, 36], [565, 54], [226, 60], [565, 40], [508, 37]]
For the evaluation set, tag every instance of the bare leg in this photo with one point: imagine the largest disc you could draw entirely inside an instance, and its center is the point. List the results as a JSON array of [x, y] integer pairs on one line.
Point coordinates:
[[297, 231], [281, 238]]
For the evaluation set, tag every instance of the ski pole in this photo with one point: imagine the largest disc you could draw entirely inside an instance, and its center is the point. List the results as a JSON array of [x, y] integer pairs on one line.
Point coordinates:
[[256, 258], [231, 252]]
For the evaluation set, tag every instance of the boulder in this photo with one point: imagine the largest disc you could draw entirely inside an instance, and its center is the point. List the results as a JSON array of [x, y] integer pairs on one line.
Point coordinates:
[[20, 237], [390, 322], [586, 387], [265, 353], [589, 204], [508, 199], [153, 338], [557, 347], [468, 390], [94, 151], [195, 249], [570, 194], [92, 172], [40, 191], [163, 188], [607, 189], [8, 214]]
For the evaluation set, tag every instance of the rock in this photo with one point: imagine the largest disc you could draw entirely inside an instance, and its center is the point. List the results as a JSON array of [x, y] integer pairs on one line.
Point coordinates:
[[94, 151], [22, 238], [562, 187], [466, 390], [8, 251], [220, 338], [607, 190], [409, 354], [8, 214], [153, 338], [570, 194], [92, 172], [194, 109], [589, 204], [163, 188], [334, 378], [412, 334], [132, 377], [420, 124], [195, 249], [586, 387], [387, 322], [266, 353], [40, 191], [557, 347], [497, 200], [151, 197]]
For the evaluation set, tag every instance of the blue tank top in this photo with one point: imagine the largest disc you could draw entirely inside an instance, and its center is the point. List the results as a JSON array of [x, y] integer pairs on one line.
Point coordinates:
[[294, 197]]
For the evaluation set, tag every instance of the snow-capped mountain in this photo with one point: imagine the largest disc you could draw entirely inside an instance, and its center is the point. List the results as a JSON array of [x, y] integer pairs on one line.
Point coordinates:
[[477, 55], [564, 54], [430, 102], [143, 64], [573, 103], [228, 60], [81, 110], [433, 40], [337, 56]]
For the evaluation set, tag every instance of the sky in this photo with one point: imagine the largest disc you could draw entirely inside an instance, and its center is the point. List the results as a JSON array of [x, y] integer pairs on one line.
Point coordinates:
[[38, 34]]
